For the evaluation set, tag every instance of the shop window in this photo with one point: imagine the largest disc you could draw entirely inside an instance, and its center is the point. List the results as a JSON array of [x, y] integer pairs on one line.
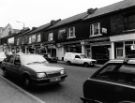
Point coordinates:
[[39, 38], [50, 36], [119, 52], [61, 34], [95, 29], [71, 33]]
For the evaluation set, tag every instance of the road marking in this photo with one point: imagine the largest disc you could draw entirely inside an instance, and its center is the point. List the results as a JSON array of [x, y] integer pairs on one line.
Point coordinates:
[[22, 90]]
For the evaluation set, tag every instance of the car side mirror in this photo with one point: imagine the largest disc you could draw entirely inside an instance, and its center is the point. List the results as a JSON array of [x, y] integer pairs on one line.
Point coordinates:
[[17, 62]]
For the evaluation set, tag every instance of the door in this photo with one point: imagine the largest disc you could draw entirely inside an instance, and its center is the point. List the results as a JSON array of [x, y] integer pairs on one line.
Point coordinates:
[[17, 66], [77, 59]]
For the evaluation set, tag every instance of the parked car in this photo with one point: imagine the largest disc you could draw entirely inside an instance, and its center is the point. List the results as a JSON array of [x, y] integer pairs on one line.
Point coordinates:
[[78, 58], [113, 83], [2, 57], [50, 58], [32, 69]]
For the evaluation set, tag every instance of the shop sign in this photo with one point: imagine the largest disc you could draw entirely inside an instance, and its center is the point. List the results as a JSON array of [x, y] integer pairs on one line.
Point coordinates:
[[132, 47], [104, 30]]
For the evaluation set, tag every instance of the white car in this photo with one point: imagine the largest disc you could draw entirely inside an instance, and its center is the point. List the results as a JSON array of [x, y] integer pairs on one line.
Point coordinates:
[[32, 69], [2, 56], [78, 58]]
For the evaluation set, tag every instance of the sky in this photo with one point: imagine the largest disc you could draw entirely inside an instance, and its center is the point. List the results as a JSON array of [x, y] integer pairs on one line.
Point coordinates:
[[34, 13]]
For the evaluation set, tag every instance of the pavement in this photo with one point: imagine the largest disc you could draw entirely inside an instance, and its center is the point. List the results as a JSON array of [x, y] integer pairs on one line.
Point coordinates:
[[11, 93]]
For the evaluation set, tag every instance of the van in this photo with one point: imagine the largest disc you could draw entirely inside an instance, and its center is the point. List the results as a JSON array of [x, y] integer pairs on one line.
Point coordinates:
[[78, 58]]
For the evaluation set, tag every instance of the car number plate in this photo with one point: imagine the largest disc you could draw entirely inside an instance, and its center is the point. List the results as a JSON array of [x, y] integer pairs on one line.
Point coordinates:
[[55, 79]]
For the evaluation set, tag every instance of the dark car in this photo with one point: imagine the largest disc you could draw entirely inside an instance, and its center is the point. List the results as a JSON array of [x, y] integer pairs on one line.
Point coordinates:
[[50, 58], [32, 69], [113, 83]]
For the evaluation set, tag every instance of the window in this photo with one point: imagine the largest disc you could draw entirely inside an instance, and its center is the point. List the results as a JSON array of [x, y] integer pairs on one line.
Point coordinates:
[[127, 74], [61, 34], [95, 29], [71, 33], [77, 56], [18, 40], [11, 60], [39, 38], [50, 36], [33, 38], [109, 71], [119, 52], [29, 39], [129, 22]]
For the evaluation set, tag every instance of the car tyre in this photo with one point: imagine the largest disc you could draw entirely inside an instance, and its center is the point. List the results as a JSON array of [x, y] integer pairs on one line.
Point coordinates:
[[68, 62], [86, 64], [4, 72], [26, 82]]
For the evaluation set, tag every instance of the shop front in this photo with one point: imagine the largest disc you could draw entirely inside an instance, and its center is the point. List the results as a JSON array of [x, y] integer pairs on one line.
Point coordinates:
[[123, 46], [100, 49]]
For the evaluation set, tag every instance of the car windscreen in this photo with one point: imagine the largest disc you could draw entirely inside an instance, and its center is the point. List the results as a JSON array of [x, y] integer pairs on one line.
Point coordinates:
[[30, 59]]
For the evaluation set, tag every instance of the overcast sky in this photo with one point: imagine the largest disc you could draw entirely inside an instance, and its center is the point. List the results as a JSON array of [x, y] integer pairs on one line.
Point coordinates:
[[31, 13]]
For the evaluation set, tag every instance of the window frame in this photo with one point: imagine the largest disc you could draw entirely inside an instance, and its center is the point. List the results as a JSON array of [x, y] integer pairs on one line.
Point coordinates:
[[50, 36], [71, 34], [93, 29], [61, 33]]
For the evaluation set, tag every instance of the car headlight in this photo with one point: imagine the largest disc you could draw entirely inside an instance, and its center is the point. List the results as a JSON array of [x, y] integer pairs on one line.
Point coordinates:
[[41, 75], [62, 72]]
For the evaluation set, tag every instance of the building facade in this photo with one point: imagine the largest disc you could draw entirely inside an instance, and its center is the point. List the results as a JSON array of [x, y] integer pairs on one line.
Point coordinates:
[[102, 34]]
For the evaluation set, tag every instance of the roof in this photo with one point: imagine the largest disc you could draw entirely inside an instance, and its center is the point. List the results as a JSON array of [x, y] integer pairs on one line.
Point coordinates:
[[41, 28], [70, 19], [112, 8]]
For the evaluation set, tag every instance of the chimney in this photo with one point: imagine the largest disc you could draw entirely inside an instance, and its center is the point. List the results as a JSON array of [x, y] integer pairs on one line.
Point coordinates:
[[91, 10]]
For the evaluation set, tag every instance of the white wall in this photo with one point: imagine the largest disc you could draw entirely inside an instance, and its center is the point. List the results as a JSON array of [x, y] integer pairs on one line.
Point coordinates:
[[60, 53]]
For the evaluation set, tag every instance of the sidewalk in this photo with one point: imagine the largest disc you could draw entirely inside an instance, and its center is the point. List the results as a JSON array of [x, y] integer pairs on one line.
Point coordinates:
[[10, 93], [97, 65]]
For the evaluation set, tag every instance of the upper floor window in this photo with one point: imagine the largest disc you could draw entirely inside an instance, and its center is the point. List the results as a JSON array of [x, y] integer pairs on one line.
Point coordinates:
[[129, 22], [30, 40], [61, 33], [50, 36], [33, 38], [95, 29], [71, 33], [17, 42], [38, 37]]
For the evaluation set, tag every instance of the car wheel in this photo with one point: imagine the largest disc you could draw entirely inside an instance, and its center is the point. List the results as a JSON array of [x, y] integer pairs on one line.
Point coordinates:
[[4, 72], [86, 64], [26, 82], [68, 62]]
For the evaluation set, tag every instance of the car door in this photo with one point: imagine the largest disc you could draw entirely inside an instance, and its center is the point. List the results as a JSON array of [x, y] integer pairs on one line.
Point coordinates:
[[102, 85], [9, 65], [77, 59], [17, 66]]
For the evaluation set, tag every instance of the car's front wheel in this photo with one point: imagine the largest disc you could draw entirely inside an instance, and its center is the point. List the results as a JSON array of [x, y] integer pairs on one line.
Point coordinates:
[[26, 82], [86, 64], [4, 72]]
